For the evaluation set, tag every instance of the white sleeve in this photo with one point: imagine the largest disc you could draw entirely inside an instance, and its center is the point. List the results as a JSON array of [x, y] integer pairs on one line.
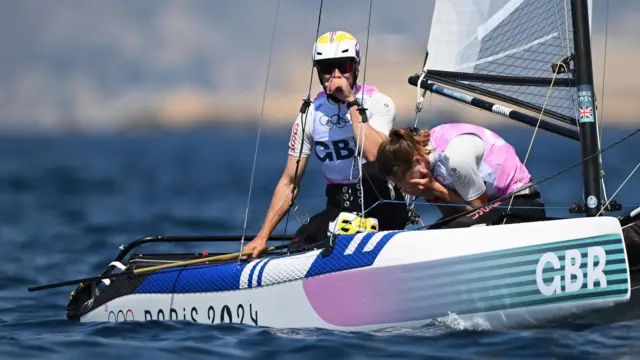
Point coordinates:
[[463, 156], [382, 113], [300, 137]]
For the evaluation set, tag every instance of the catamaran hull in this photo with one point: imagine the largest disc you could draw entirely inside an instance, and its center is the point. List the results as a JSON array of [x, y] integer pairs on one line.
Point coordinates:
[[519, 275]]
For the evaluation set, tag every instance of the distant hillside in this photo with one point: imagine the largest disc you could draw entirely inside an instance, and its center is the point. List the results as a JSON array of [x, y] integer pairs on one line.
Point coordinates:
[[90, 65]]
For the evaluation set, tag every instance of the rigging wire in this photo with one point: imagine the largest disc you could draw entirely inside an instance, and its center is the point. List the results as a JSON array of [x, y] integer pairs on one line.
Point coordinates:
[[255, 155], [572, 90], [619, 188], [562, 42], [409, 199], [600, 109], [420, 97], [547, 97], [304, 112], [535, 131], [361, 136]]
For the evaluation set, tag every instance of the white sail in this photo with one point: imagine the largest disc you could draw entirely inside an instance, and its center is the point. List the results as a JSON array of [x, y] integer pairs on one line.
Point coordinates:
[[519, 38]]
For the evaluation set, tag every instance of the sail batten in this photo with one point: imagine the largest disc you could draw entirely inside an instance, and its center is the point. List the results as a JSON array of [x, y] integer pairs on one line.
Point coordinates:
[[507, 53], [497, 18]]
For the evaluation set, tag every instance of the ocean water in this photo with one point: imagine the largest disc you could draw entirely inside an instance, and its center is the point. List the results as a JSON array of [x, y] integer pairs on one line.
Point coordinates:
[[67, 203]]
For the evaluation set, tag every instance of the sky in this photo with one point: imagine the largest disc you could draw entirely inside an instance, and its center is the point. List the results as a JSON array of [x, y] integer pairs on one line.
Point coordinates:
[[91, 64]]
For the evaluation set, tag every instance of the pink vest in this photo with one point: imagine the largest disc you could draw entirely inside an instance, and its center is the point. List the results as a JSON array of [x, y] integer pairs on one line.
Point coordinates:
[[501, 169]]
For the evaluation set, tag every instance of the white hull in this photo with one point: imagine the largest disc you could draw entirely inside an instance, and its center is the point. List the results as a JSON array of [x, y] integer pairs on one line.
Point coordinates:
[[500, 276]]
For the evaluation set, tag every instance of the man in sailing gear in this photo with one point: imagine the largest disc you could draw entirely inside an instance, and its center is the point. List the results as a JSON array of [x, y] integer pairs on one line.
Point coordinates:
[[461, 166], [333, 130]]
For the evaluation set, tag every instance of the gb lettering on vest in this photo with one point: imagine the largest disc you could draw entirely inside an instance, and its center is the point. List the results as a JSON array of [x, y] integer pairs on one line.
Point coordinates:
[[333, 150], [574, 273], [334, 142]]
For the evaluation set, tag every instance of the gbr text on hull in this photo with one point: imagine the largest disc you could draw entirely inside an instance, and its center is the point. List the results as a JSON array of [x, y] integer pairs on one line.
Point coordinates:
[[573, 272]]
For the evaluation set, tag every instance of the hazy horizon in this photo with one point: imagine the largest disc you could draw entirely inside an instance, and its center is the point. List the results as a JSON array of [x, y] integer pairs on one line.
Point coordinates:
[[104, 65]]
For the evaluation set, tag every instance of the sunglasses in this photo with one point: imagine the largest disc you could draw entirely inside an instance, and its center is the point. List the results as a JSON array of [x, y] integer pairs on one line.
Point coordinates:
[[327, 67]]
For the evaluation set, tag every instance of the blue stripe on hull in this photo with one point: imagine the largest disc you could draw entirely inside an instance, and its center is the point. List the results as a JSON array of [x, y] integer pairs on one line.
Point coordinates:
[[262, 272], [338, 261], [201, 278], [208, 278], [226, 277]]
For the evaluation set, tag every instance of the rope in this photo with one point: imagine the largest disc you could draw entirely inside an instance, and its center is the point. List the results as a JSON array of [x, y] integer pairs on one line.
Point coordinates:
[[409, 199], [362, 124], [255, 155], [360, 137], [600, 110], [604, 66], [535, 131], [619, 188], [306, 102]]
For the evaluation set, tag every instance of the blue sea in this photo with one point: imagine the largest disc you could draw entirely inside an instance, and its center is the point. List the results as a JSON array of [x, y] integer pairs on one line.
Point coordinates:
[[67, 202]]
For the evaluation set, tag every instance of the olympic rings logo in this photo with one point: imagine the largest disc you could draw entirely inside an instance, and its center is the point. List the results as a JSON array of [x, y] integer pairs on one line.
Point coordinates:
[[120, 316], [334, 120]]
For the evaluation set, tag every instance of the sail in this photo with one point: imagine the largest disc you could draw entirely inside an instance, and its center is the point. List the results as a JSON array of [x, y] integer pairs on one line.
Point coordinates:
[[505, 49]]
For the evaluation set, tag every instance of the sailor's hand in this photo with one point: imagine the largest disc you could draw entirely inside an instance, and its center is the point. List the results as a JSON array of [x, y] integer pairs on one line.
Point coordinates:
[[418, 187], [257, 245], [435, 192], [339, 87], [421, 186]]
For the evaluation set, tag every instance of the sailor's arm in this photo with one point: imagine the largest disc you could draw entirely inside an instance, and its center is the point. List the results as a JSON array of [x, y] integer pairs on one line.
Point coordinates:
[[438, 193], [382, 116], [283, 195], [463, 157], [299, 149]]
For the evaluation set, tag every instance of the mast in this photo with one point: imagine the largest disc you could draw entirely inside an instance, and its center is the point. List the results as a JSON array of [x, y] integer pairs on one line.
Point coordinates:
[[586, 106]]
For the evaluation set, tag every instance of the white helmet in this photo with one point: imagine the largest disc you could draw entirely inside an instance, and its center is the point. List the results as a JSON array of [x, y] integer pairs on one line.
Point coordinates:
[[336, 44]]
